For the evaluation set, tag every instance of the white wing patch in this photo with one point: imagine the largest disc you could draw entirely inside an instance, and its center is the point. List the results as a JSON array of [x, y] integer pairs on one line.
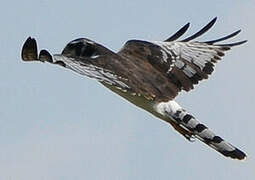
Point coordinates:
[[193, 52], [164, 55], [91, 71], [189, 62]]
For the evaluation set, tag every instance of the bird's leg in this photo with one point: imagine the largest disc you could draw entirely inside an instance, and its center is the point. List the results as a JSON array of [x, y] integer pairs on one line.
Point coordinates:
[[187, 134]]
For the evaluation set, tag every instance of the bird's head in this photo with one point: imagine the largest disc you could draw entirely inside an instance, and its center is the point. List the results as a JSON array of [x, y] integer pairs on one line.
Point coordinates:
[[80, 50], [82, 55], [85, 49]]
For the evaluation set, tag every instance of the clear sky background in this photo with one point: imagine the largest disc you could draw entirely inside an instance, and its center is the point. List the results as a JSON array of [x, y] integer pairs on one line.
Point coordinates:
[[57, 125]]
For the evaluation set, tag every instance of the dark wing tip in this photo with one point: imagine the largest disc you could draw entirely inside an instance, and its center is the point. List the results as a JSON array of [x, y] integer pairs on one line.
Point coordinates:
[[45, 56], [215, 19], [232, 44], [29, 50], [202, 31], [179, 33], [224, 38]]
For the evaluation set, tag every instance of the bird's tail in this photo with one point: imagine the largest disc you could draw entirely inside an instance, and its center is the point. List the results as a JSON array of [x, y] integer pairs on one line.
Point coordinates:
[[199, 130]]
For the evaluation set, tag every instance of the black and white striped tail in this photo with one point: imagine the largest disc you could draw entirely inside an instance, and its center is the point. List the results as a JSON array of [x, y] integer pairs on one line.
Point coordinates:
[[199, 130]]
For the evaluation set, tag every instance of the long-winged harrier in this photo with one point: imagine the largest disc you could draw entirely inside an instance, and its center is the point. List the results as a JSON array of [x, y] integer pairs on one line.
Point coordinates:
[[150, 74]]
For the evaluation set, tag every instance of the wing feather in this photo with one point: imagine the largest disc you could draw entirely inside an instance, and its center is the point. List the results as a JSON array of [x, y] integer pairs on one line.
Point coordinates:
[[185, 62], [192, 62], [202, 31], [223, 38], [178, 33]]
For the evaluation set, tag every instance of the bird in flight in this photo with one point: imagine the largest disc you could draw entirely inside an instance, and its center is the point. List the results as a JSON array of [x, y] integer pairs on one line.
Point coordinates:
[[150, 74]]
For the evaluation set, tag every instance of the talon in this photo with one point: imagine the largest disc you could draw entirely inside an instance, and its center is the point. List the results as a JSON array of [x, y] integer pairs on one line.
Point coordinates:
[[190, 138]]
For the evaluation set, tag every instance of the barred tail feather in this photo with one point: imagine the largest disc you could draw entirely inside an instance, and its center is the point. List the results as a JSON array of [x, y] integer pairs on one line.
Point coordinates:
[[204, 134], [199, 130]]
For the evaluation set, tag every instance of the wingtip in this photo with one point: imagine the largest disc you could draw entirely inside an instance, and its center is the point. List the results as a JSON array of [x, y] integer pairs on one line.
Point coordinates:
[[201, 31], [188, 24], [215, 19], [245, 41], [233, 44], [179, 33], [212, 22], [238, 31], [224, 38], [29, 50]]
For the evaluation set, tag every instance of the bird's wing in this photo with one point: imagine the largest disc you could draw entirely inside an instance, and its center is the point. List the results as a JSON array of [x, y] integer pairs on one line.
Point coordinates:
[[191, 62], [184, 62]]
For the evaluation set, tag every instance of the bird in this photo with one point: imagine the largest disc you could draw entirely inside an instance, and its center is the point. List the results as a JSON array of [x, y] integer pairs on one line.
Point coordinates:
[[150, 74]]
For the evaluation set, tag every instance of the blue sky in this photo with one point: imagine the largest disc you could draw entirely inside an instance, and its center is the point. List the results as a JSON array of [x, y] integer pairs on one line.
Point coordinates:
[[57, 125]]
